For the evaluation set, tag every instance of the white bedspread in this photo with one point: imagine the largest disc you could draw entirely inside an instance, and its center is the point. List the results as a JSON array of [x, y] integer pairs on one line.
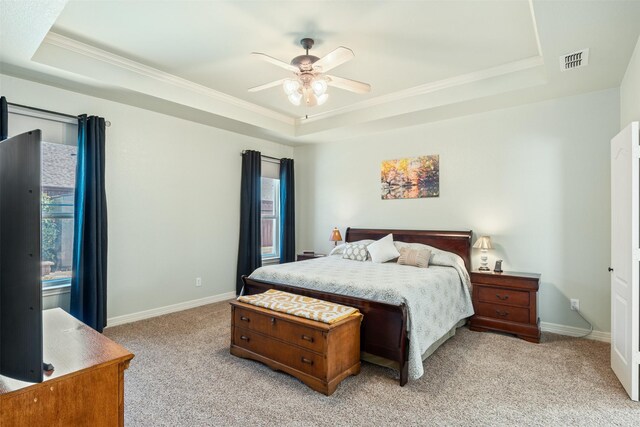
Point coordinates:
[[437, 298]]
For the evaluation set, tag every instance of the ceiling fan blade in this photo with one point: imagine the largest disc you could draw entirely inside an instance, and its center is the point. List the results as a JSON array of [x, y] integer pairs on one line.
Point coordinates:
[[267, 85], [348, 84], [275, 61], [334, 58]]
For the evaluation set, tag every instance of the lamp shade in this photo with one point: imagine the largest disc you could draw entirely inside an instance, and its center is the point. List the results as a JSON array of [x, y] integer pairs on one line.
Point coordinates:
[[335, 235], [483, 242]]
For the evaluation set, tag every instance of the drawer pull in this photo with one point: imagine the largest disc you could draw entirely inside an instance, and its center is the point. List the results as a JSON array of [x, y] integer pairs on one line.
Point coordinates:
[[305, 360], [307, 338], [245, 319], [273, 320], [502, 297], [244, 338], [502, 313]]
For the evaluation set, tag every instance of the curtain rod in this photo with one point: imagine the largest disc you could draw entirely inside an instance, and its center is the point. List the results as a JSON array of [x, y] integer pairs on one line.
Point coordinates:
[[107, 123], [262, 155]]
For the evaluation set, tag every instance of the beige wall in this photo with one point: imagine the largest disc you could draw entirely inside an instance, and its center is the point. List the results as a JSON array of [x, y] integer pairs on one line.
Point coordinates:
[[535, 178], [630, 90], [173, 196]]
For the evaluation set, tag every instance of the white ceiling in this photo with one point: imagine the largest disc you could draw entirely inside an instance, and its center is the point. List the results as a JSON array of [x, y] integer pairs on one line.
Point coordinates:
[[425, 60]]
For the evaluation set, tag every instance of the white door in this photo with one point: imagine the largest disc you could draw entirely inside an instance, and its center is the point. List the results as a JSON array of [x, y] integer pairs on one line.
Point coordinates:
[[625, 258]]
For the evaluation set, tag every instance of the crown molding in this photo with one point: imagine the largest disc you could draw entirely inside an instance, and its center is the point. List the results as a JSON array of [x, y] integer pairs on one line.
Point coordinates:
[[296, 125], [476, 76], [535, 27], [93, 52]]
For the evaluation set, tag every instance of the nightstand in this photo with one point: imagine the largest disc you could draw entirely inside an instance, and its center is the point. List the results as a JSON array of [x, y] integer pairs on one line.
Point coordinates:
[[304, 256], [506, 302]]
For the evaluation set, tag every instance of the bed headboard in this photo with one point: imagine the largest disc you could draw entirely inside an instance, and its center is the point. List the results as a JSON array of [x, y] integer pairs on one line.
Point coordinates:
[[458, 242]]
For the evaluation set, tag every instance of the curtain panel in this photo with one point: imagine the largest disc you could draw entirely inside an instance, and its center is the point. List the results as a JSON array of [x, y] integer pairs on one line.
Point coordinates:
[[89, 280], [249, 248], [287, 212], [4, 118]]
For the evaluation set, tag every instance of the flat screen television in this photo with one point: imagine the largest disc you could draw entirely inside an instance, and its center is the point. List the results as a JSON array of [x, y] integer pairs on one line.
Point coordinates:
[[20, 276]]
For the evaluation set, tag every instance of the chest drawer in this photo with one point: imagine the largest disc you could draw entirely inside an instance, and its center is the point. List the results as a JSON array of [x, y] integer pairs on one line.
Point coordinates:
[[502, 312], [298, 358], [502, 296], [312, 339]]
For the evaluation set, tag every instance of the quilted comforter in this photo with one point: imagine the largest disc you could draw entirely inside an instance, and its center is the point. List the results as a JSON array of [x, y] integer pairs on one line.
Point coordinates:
[[437, 298]]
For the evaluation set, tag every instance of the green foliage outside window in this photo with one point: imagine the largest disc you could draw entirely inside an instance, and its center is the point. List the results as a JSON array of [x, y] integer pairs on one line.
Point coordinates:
[[50, 231]]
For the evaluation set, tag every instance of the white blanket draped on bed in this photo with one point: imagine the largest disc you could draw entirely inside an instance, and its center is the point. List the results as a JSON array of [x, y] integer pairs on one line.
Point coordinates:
[[437, 298]]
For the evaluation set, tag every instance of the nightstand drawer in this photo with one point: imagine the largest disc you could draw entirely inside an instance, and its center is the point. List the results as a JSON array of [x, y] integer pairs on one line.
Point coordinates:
[[502, 296], [502, 312], [274, 326]]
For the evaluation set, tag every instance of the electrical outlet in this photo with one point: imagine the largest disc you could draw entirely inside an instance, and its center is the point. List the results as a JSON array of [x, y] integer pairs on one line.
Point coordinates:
[[198, 281], [575, 304]]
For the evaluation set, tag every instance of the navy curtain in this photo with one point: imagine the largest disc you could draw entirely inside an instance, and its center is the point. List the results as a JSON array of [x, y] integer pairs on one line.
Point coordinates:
[[249, 249], [4, 118], [89, 281], [287, 212]]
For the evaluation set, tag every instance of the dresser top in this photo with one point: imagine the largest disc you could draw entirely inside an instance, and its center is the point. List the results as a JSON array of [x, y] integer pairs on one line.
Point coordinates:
[[70, 346], [517, 274]]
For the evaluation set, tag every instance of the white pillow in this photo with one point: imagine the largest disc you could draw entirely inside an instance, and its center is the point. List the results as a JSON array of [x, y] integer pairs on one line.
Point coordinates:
[[383, 250], [338, 250]]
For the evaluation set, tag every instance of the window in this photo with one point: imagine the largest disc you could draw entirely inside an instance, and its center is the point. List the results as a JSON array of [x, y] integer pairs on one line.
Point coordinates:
[[59, 149], [270, 210], [57, 197]]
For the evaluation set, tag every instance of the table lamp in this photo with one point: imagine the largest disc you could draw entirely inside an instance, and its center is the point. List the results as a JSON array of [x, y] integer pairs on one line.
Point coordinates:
[[335, 236], [483, 243]]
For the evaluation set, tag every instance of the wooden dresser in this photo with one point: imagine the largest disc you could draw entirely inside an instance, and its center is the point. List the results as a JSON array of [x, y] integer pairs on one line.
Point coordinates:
[[85, 389], [318, 354], [506, 302]]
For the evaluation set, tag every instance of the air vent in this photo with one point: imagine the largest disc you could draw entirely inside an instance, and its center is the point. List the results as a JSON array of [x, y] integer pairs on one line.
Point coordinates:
[[574, 60]]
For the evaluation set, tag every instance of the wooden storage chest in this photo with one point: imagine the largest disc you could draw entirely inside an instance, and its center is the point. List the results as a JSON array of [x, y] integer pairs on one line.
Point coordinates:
[[318, 354]]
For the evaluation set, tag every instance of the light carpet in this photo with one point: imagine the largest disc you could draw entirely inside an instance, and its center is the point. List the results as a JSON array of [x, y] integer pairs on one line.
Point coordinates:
[[183, 375]]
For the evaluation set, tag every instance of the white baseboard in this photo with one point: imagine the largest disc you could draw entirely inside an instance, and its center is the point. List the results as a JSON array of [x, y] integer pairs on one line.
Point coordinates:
[[147, 314], [575, 332]]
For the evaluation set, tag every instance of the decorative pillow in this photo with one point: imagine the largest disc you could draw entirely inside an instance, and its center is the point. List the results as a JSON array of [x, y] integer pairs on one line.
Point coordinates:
[[415, 257], [383, 250], [339, 250], [438, 256], [356, 252]]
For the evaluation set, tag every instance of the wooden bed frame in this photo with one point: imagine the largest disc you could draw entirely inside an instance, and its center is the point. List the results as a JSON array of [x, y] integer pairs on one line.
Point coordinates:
[[384, 328]]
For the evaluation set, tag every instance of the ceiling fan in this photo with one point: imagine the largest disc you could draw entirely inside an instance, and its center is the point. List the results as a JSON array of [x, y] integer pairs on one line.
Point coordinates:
[[309, 83]]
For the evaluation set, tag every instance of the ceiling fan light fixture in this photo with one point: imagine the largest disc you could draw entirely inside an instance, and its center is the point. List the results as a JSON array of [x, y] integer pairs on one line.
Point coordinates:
[[323, 98], [290, 86], [309, 84], [310, 99], [295, 98], [319, 87]]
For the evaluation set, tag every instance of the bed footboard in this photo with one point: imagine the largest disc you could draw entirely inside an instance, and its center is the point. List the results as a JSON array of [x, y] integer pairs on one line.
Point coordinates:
[[383, 330]]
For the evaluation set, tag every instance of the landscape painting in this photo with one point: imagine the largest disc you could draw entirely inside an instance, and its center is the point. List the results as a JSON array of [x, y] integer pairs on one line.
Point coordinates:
[[411, 178]]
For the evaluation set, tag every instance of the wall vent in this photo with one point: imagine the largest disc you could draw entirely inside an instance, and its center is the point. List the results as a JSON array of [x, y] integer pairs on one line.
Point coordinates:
[[574, 60]]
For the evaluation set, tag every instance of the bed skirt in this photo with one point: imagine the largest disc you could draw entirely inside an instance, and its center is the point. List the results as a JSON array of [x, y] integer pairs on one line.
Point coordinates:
[[381, 361]]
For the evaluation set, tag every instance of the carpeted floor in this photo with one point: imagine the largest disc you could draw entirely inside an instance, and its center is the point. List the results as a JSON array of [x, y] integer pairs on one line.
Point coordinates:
[[183, 375]]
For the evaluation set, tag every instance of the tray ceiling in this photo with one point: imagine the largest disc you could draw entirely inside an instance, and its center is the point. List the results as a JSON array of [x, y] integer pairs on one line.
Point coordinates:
[[425, 60]]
